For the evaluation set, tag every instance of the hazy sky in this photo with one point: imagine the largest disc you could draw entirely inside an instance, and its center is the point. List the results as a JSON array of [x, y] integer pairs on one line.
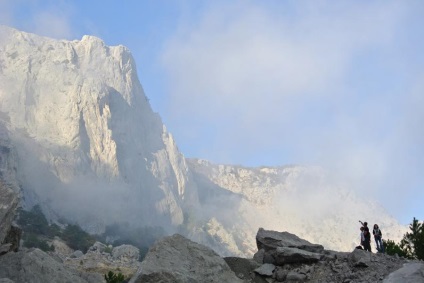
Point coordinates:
[[332, 83]]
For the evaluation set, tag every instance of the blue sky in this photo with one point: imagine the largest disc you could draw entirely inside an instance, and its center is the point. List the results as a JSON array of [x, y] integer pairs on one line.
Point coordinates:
[[332, 83]]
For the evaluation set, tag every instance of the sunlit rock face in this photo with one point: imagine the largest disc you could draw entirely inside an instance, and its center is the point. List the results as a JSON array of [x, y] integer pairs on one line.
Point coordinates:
[[304, 200], [90, 145], [90, 149]]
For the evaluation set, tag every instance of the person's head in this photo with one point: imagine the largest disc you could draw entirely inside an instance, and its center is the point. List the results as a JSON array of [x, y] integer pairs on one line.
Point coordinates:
[[375, 226], [365, 223], [362, 228]]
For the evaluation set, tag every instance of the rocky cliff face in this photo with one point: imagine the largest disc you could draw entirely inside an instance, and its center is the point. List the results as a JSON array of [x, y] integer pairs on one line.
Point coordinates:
[[299, 199], [90, 149]]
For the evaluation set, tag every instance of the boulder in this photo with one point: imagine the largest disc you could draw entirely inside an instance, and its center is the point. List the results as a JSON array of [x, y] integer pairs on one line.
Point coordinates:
[[294, 255], [126, 253], [359, 258], [265, 269], [409, 273], [270, 240], [175, 259], [36, 266], [97, 247]]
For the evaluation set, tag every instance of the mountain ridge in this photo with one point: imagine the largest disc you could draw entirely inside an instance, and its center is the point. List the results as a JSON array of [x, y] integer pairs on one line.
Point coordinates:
[[90, 149]]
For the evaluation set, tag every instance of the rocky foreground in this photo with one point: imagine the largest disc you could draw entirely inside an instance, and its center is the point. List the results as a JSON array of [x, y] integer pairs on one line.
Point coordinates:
[[281, 257]]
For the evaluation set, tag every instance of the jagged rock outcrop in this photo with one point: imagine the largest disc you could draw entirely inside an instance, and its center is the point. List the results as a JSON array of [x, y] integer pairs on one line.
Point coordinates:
[[320, 265], [176, 259], [36, 266], [78, 116]]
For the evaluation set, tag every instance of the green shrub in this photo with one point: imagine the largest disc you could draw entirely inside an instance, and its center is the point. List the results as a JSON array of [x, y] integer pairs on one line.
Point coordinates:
[[31, 240], [111, 277], [412, 244], [77, 239]]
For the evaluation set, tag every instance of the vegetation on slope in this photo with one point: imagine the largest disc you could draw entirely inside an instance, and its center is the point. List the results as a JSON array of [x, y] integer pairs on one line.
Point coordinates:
[[412, 244]]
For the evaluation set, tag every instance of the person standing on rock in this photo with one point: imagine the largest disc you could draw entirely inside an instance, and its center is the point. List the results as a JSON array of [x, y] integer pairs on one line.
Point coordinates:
[[367, 236], [377, 237]]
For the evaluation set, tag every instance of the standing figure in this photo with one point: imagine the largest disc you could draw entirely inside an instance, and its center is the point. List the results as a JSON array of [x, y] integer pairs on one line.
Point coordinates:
[[367, 236], [377, 237]]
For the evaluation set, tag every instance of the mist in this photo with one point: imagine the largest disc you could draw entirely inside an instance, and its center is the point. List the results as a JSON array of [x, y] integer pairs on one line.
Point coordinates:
[[329, 85]]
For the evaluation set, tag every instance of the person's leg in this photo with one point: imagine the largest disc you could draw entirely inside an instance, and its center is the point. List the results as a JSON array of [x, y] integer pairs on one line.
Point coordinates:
[[377, 244], [381, 245]]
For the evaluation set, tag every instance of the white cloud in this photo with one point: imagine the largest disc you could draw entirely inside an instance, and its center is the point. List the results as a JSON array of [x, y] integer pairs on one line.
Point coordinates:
[[52, 19], [289, 85]]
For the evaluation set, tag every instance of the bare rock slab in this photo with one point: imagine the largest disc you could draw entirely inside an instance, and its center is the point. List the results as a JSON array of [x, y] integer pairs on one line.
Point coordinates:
[[177, 259], [270, 240], [409, 273]]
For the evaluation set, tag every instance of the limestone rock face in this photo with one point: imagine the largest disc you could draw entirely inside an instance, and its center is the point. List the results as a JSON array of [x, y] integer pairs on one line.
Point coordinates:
[[78, 116], [176, 259], [38, 267], [299, 199]]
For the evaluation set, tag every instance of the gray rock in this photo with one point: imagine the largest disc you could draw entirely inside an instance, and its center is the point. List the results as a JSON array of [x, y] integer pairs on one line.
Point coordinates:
[[36, 266], [296, 277], [97, 247], [8, 203], [270, 240], [126, 253], [77, 254], [285, 255], [360, 258], [243, 268], [281, 274], [259, 256], [409, 273], [265, 269], [176, 259], [6, 280]]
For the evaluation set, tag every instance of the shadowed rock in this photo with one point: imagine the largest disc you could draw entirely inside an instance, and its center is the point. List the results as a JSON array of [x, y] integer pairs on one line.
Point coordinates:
[[293, 255]]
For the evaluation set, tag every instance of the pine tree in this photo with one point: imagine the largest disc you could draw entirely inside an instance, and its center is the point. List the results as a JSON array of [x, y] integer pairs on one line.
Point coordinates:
[[412, 244]]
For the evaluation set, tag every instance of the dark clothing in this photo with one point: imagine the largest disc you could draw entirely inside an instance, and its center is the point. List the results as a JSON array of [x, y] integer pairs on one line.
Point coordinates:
[[367, 242]]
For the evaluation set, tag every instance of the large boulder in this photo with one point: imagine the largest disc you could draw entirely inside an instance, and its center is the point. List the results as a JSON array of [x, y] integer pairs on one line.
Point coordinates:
[[176, 259], [409, 273], [271, 240], [360, 258], [36, 266], [126, 253]]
